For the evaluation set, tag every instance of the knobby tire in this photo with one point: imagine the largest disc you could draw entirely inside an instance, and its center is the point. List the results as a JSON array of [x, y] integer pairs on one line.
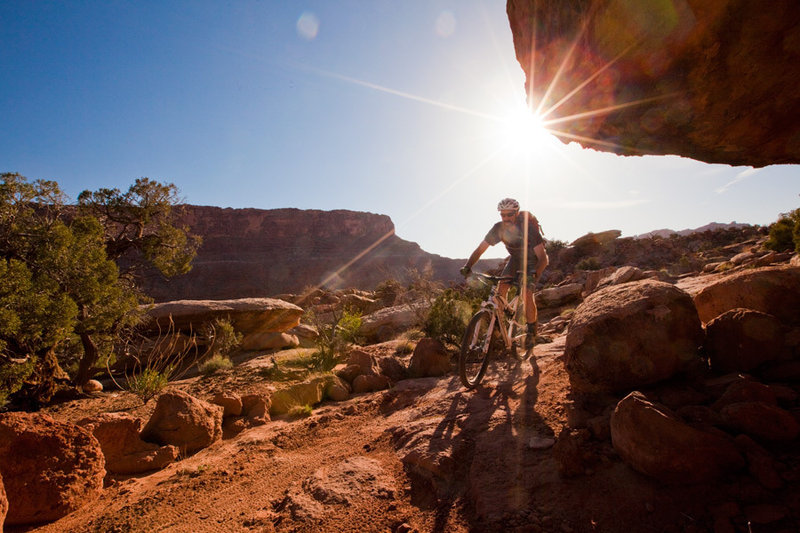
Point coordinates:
[[518, 342], [474, 355]]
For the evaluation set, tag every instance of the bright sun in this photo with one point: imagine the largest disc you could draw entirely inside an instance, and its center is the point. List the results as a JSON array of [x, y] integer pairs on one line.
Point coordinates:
[[523, 131]]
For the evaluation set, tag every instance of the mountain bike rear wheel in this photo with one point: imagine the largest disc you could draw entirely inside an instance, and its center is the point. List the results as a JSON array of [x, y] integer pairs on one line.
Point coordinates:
[[476, 347]]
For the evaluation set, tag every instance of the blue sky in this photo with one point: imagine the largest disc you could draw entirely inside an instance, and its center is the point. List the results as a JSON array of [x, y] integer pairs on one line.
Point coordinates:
[[399, 107]]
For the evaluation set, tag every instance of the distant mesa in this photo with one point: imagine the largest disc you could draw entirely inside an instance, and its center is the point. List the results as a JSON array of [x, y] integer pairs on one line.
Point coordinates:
[[250, 253], [708, 227]]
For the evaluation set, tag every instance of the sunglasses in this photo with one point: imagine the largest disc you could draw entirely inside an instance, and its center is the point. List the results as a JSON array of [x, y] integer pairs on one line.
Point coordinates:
[[508, 215]]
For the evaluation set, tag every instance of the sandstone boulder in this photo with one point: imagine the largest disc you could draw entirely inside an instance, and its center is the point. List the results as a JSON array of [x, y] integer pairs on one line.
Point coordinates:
[[772, 290], [600, 239], [392, 368], [3, 503], [743, 339], [558, 296], [626, 336], [337, 390], [270, 340], [349, 372], [370, 383], [184, 421], [624, 275], [593, 278], [364, 360], [230, 402], [306, 335], [49, 468], [761, 421], [310, 393], [656, 443], [430, 358], [382, 325], [124, 450], [255, 409], [746, 390], [248, 315], [92, 386]]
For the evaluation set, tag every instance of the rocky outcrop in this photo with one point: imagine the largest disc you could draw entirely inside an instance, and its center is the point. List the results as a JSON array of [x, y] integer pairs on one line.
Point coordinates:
[[382, 325], [772, 290], [124, 450], [743, 339], [255, 253], [247, 315], [658, 444], [713, 80], [631, 335], [430, 358], [49, 468], [3, 503], [184, 421]]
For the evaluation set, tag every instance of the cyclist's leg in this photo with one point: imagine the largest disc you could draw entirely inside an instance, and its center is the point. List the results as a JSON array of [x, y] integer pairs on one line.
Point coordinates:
[[531, 312]]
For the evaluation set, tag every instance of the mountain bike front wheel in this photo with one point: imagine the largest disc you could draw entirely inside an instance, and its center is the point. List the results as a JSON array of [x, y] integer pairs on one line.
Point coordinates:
[[518, 350], [476, 347]]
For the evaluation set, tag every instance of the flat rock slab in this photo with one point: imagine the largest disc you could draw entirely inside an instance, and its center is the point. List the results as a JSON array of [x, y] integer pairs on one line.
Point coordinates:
[[248, 315]]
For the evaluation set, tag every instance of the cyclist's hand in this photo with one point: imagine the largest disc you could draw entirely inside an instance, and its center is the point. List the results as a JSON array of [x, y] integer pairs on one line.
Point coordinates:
[[465, 271]]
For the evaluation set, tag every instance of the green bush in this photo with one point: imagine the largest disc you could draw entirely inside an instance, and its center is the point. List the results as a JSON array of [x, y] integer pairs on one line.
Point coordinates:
[[588, 263], [12, 375], [335, 339], [784, 235], [300, 411], [552, 247], [215, 363], [149, 382], [224, 338], [449, 315], [388, 292]]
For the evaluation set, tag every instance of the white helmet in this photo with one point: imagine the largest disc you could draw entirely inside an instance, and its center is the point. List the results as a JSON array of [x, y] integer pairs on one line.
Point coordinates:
[[508, 204]]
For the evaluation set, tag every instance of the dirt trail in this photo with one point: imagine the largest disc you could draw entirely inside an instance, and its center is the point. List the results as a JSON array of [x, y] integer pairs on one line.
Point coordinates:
[[259, 480], [474, 463]]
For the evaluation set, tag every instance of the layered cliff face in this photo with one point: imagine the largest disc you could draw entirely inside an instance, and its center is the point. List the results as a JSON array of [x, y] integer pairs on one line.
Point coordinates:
[[713, 80], [254, 252]]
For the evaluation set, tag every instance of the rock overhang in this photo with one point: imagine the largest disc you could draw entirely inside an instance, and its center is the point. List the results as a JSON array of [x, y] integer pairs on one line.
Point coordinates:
[[712, 80]]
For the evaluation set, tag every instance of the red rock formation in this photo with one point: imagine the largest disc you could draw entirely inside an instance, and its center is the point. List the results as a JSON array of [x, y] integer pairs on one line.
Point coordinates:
[[49, 468], [714, 80], [255, 252]]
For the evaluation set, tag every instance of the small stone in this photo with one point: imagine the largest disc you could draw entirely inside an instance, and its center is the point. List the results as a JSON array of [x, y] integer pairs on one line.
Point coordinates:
[[541, 443]]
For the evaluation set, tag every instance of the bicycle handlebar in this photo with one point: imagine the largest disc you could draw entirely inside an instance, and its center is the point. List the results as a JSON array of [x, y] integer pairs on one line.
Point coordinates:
[[494, 279]]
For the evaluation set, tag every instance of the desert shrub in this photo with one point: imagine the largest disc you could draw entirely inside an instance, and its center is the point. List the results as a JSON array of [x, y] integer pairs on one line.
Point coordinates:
[[784, 234], [12, 375], [335, 339], [588, 263], [300, 411], [448, 316], [348, 326], [388, 291], [224, 338], [149, 382], [552, 247], [214, 364]]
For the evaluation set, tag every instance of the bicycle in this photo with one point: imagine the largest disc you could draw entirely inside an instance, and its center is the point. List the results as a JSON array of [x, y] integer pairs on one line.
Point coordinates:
[[497, 320]]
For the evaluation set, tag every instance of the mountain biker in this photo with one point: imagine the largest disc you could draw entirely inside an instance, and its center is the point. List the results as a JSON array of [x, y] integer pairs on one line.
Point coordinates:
[[519, 231]]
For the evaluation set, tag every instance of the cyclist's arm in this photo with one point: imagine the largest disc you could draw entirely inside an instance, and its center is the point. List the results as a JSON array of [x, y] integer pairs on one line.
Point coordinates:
[[482, 247], [542, 259]]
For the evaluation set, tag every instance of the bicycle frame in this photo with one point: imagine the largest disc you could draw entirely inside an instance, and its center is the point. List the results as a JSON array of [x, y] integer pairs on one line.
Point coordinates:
[[497, 306]]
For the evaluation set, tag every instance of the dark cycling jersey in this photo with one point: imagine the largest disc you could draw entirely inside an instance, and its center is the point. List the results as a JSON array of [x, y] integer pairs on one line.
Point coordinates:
[[513, 236]]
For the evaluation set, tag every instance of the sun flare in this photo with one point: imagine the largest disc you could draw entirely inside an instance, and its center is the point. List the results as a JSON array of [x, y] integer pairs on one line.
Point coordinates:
[[523, 130]]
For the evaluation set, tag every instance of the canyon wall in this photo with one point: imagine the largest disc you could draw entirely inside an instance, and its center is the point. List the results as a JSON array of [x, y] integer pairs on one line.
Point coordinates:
[[255, 252]]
